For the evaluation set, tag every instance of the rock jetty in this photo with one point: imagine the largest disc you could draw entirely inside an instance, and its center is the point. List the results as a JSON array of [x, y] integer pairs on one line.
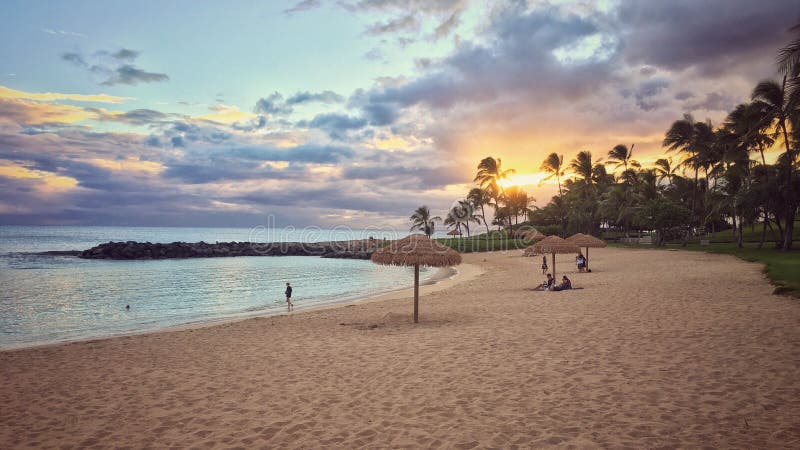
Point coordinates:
[[357, 249]]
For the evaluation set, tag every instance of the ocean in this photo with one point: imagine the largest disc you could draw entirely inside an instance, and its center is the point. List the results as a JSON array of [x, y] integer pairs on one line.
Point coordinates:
[[46, 299]]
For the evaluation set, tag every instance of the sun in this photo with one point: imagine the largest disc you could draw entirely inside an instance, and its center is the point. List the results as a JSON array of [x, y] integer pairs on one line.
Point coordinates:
[[523, 179]]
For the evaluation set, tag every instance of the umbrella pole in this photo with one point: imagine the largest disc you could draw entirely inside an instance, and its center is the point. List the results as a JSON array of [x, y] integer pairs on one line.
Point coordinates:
[[416, 293], [554, 267], [587, 259]]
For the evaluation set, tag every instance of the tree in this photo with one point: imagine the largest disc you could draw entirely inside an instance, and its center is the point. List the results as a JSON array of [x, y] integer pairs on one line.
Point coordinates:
[[490, 173], [779, 107], [665, 169], [621, 156], [478, 197], [553, 165], [461, 214], [421, 220], [662, 216]]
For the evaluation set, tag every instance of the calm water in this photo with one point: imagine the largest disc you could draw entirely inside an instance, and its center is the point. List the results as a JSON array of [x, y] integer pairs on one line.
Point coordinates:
[[56, 298]]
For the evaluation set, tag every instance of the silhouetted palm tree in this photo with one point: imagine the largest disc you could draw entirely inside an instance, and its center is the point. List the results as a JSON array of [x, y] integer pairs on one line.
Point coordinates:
[[665, 169], [621, 156], [421, 220], [490, 173], [478, 197], [553, 165]]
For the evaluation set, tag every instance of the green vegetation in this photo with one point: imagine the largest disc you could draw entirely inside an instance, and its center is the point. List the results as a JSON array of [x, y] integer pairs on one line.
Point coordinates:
[[782, 268], [718, 187], [487, 242]]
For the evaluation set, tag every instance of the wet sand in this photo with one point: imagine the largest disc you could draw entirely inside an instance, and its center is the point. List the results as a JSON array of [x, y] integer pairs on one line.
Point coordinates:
[[659, 350]]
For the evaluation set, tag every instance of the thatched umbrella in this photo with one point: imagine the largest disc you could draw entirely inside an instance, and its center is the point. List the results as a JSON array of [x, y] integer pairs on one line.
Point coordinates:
[[552, 245], [454, 232], [533, 235], [416, 250], [586, 240]]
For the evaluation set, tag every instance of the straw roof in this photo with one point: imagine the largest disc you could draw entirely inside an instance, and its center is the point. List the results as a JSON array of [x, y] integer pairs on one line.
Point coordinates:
[[533, 235], [416, 249], [551, 244], [586, 240]]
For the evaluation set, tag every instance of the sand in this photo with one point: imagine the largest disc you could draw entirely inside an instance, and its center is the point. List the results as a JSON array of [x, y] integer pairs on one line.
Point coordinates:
[[660, 350]]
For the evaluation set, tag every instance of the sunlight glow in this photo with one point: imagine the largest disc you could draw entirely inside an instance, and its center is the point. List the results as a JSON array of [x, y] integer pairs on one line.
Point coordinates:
[[523, 179]]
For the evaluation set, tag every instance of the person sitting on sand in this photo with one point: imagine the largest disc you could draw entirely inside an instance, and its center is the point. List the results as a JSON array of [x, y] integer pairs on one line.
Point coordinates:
[[289, 305], [546, 284], [565, 284]]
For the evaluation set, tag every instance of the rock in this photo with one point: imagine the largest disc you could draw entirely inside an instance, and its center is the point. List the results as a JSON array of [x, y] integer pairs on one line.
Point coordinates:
[[145, 250]]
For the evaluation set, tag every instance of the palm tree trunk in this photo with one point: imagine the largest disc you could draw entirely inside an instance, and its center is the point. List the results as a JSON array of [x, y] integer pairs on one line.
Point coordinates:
[[483, 213], [763, 231], [741, 237], [792, 205], [694, 206]]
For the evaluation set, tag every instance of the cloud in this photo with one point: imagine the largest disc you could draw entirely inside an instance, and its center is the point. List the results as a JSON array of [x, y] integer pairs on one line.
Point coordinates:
[[7, 93], [125, 54], [128, 74], [273, 104], [647, 90], [62, 33], [445, 28], [405, 23], [335, 124], [375, 55], [27, 113], [138, 117], [712, 36], [321, 97], [380, 114], [75, 58], [304, 5], [114, 68], [715, 101]]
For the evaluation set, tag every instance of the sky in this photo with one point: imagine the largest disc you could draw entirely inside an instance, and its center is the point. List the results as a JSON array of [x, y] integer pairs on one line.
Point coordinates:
[[347, 113]]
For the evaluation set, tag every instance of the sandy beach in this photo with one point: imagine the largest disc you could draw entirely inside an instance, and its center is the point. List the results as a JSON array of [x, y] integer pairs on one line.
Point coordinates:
[[660, 349]]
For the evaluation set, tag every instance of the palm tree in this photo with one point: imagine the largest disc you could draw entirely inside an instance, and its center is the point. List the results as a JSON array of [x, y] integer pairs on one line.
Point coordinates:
[[490, 173], [771, 97], [621, 156], [779, 107], [553, 165], [749, 123], [665, 169], [479, 198], [680, 137], [586, 169], [421, 220], [789, 56], [517, 202], [461, 214]]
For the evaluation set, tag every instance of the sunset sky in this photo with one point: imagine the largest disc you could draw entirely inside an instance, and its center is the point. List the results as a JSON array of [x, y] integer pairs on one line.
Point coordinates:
[[349, 113]]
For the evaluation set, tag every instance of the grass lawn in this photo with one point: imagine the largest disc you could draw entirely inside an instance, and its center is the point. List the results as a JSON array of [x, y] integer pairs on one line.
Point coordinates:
[[782, 268], [484, 243]]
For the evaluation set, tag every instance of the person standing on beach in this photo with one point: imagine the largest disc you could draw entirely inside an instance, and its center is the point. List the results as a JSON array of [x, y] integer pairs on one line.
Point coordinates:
[[544, 264], [289, 305]]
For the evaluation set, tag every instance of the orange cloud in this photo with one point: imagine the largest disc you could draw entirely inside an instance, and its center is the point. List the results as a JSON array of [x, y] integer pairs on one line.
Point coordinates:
[[47, 181], [32, 113], [128, 165], [12, 94]]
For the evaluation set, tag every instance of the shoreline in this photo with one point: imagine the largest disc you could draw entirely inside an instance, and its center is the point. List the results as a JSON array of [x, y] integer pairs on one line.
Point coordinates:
[[443, 278]]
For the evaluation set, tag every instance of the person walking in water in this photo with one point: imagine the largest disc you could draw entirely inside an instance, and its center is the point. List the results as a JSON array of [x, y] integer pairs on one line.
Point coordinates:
[[289, 305]]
